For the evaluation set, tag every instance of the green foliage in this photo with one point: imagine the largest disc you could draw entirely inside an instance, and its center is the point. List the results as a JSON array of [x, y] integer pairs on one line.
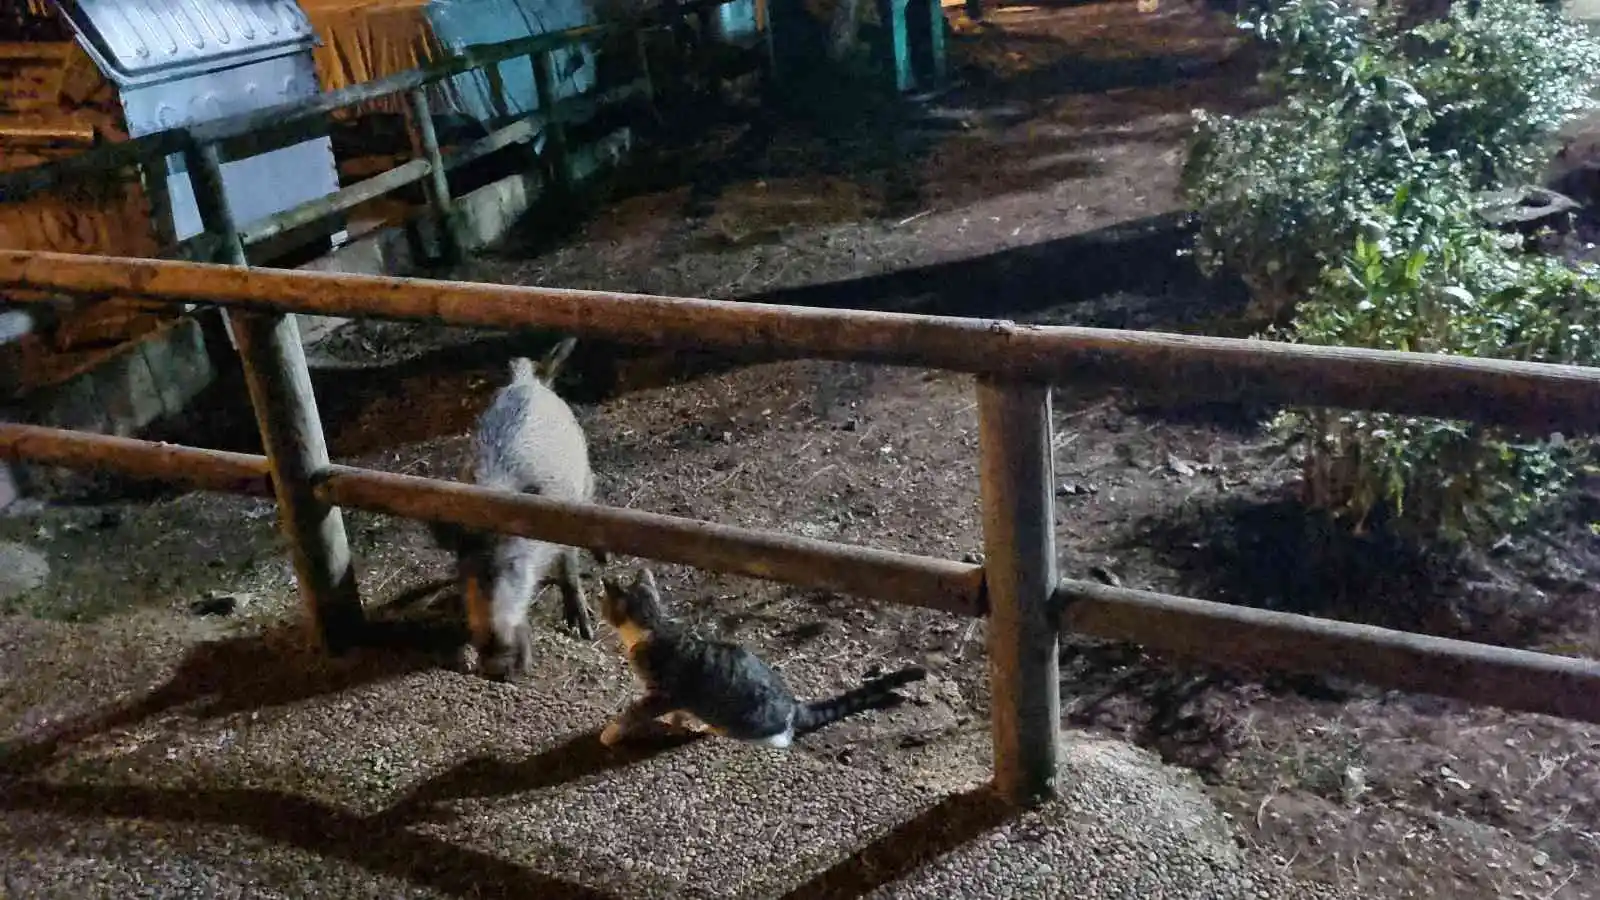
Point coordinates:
[[1352, 201], [1501, 82], [1431, 280], [1367, 108]]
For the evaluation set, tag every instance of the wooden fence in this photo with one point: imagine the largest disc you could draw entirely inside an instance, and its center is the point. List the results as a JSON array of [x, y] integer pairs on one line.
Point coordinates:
[[1017, 586], [206, 145]]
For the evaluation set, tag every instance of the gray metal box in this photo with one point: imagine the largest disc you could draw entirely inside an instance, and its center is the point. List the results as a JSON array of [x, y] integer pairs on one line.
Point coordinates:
[[179, 62]]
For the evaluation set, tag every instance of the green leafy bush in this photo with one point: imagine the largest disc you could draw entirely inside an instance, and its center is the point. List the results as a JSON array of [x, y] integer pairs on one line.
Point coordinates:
[[1430, 279], [1366, 108], [1352, 203], [1499, 84]]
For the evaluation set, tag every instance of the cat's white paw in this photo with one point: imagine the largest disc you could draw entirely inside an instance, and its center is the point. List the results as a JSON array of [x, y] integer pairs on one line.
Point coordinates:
[[611, 735]]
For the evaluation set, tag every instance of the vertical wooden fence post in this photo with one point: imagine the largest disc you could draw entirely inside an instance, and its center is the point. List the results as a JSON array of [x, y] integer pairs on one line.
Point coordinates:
[[215, 330], [544, 82], [438, 183], [1017, 469], [497, 94], [936, 50], [153, 175], [291, 431]]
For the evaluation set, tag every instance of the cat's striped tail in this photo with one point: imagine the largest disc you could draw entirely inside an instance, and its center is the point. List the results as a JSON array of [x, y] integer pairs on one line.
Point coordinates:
[[875, 694]]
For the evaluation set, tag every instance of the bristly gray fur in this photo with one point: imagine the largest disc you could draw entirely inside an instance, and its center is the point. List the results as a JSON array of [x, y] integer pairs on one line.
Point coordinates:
[[527, 441], [722, 684]]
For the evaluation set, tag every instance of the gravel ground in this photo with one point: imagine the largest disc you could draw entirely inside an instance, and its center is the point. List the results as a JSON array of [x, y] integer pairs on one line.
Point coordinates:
[[152, 747], [150, 772]]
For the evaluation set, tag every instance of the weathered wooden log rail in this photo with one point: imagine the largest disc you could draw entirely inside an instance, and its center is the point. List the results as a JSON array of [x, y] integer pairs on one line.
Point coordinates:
[[1017, 586]]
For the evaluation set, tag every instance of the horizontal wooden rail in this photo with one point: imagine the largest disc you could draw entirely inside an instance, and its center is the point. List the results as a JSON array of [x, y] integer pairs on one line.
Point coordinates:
[[205, 470], [59, 174], [1537, 396], [857, 571], [247, 134], [255, 132], [576, 109], [572, 110], [515, 133], [1226, 635], [313, 211]]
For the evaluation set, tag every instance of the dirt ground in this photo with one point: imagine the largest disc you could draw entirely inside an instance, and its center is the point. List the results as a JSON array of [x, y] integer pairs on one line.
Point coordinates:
[[1041, 189]]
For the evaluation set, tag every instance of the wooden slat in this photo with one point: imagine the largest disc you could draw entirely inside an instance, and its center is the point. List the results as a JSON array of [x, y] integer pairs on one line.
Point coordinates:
[[308, 213], [858, 571], [1540, 397], [1225, 635], [312, 211], [204, 470]]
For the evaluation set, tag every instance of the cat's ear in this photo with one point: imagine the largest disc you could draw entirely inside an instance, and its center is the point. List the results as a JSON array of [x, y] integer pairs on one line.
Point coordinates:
[[611, 585]]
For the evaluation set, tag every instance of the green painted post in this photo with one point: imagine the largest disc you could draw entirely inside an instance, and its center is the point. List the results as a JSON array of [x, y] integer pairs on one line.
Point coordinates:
[[903, 79], [936, 26]]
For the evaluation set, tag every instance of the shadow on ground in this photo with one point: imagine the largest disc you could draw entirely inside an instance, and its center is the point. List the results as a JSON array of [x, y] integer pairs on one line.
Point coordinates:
[[1273, 553], [371, 843], [1278, 555], [1129, 275], [275, 667], [955, 821], [580, 757], [388, 843]]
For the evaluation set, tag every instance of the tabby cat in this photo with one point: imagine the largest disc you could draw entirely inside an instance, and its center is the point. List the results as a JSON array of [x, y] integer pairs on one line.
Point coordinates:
[[723, 685]]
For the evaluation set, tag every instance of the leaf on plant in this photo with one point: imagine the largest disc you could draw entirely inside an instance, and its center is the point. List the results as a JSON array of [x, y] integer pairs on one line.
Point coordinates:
[[1414, 264]]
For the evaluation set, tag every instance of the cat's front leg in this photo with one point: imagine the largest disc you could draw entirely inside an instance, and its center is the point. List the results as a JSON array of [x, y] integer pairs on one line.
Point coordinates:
[[648, 707]]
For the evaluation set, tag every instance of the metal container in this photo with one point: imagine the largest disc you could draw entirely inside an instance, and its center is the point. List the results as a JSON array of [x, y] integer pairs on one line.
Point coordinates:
[[460, 24], [179, 62]]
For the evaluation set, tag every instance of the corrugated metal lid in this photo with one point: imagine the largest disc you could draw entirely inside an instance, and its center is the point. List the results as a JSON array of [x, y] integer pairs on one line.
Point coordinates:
[[143, 41]]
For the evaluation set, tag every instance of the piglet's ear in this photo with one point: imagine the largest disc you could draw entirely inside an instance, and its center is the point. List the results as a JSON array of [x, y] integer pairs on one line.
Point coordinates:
[[645, 579]]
